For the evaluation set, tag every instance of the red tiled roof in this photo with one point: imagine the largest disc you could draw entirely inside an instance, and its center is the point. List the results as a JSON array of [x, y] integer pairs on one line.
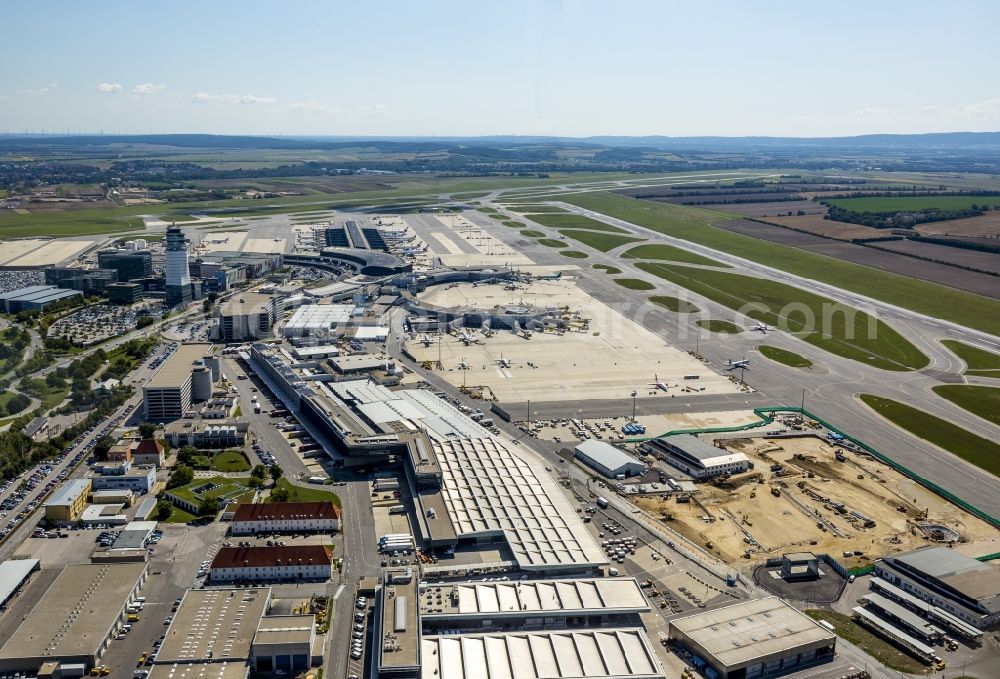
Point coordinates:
[[238, 557], [148, 447], [286, 510]]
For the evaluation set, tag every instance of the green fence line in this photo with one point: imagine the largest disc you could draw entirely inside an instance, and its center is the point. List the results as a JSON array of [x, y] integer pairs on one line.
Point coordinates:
[[765, 418], [860, 570], [988, 557]]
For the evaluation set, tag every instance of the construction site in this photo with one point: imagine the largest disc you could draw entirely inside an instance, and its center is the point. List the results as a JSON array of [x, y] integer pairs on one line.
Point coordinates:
[[807, 494]]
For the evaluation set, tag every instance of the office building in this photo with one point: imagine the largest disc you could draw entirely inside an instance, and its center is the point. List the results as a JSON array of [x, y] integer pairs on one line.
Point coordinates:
[[286, 517], [249, 316], [207, 433], [610, 461], [124, 293], [90, 282], [753, 639], [129, 264], [67, 503], [170, 392], [178, 275], [124, 476], [271, 564]]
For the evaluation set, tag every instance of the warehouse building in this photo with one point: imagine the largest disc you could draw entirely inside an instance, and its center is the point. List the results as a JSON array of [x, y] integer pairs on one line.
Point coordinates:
[[398, 622], [271, 564], [249, 316], [13, 574], [962, 586], [610, 461], [67, 503], [76, 617], [752, 639], [34, 297], [699, 459], [286, 517], [171, 391], [318, 320], [285, 644]]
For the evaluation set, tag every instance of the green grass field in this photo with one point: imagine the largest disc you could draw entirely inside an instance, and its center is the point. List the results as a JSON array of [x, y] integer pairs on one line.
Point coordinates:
[[670, 253], [695, 225], [634, 284], [513, 224], [530, 233], [674, 304], [976, 450], [529, 210], [598, 240], [817, 320], [784, 356], [179, 217], [873, 645], [552, 243], [178, 515], [978, 361], [230, 461], [608, 269], [914, 203], [300, 494], [574, 254], [718, 325], [981, 401], [571, 221]]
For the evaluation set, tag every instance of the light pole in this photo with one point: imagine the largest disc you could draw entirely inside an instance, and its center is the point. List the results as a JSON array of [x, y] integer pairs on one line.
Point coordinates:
[[633, 405]]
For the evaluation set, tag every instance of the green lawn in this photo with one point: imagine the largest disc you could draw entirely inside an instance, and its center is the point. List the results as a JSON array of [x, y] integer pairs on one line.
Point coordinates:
[[670, 253], [831, 326], [597, 240], [528, 210], [914, 203], [978, 361], [695, 225], [230, 461], [68, 223], [880, 649], [552, 243], [300, 494], [572, 221], [179, 217], [608, 269], [513, 224], [225, 488], [981, 401], [783, 356], [674, 304], [718, 325], [976, 450], [178, 515], [634, 284], [533, 234], [574, 254]]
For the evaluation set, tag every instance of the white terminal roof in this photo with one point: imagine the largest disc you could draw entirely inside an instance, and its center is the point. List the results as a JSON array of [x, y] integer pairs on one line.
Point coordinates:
[[552, 597], [319, 316], [607, 653], [490, 488], [741, 633]]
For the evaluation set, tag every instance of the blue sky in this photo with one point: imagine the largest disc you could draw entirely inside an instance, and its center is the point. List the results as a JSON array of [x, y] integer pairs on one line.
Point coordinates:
[[472, 68]]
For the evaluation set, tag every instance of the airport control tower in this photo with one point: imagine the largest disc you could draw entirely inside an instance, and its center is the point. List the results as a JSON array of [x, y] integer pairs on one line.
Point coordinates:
[[178, 274]]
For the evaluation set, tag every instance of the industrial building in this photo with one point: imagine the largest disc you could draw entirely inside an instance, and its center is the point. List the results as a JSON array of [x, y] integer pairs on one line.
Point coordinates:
[[13, 574], [183, 379], [285, 644], [178, 275], [271, 564], [958, 584], [799, 566], [249, 316], [756, 638], [75, 618], [318, 320], [610, 461], [67, 503], [285, 517], [698, 459], [34, 297], [128, 264]]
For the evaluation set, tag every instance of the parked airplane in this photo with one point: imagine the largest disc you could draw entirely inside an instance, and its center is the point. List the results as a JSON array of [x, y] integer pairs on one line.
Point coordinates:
[[503, 362], [742, 363], [658, 384], [463, 365], [465, 337], [761, 327]]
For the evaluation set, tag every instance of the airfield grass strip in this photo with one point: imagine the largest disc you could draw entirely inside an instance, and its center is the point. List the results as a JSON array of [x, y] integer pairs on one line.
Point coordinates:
[[983, 402]]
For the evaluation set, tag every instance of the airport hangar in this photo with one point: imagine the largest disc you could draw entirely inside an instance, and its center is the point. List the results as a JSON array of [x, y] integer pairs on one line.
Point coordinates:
[[753, 639], [609, 460]]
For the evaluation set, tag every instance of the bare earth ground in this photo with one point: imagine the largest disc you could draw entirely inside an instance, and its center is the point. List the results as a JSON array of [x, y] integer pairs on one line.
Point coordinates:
[[827, 227], [882, 494], [984, 225], [977, 259]]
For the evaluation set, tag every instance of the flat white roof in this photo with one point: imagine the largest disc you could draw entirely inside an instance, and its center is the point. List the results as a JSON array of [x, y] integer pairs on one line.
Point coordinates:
[[319, 316], [490, 488], [606, 455], [12, 574], [613, 653], [68, 492]]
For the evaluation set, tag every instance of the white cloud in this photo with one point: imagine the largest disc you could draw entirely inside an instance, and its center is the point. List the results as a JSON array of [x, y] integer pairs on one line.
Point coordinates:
[[874, 112], [109, 88], [39, 91], [206, 98], [311, 106], [929, 109], [148, 88], [375, 111]]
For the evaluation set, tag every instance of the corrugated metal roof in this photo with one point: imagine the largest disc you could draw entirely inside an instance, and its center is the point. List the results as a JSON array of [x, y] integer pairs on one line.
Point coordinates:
[[605, 454], [12, 574]]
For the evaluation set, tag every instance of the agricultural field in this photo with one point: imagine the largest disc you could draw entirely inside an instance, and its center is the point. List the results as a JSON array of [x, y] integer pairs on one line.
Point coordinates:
[[833, 327], [987, 225], [720, 326], [912, 203], [978, 362], [981, 401], [933, 252], [958, 441], [634, 284], [785, 208], [597, 240], [696, 225], [827, 228], [784, 356], [670, 253], [680, 306]]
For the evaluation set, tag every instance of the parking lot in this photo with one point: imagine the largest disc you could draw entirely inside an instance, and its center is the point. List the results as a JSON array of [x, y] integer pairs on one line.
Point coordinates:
[[100, 322]]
